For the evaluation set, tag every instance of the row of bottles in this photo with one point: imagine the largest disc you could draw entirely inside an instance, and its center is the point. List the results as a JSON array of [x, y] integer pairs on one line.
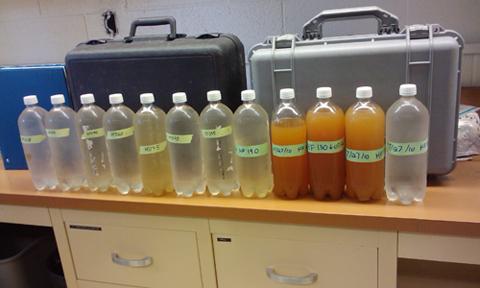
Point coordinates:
[[331, 152], [324, 152]]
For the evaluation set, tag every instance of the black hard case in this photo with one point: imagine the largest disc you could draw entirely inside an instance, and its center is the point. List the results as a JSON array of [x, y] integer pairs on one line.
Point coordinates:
[[158, 64]]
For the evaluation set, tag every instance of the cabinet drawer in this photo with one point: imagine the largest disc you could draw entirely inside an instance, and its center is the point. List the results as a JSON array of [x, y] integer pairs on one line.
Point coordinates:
[[25, 215], [135, 256], [248, 261]]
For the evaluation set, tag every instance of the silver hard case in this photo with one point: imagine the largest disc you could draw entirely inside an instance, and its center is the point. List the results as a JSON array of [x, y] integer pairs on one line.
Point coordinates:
[[426, 55]]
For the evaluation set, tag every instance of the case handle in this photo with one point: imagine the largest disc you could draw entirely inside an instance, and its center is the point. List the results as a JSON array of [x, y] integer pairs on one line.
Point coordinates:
[[155, 21], [292, 280], [387, 22], [144, 262]]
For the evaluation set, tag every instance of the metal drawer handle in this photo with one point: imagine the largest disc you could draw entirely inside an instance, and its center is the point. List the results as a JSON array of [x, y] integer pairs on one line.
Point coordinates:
[[144, 262], [293, 280]]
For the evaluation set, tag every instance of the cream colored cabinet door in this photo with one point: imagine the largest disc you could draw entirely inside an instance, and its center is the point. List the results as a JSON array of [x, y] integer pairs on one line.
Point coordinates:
[[244, 261]]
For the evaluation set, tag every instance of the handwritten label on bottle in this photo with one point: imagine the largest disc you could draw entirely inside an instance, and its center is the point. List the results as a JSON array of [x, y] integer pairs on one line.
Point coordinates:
[[32, 139], [327, 147], [251, 151], [120, 134], [217, 132], [93, 133], [365, 156], [58, 133], [179, 139], [151, 149], [288, 150], [407, 148]]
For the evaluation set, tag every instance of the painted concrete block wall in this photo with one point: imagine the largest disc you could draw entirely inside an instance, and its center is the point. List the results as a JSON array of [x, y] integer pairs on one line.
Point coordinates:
[[42, 31]]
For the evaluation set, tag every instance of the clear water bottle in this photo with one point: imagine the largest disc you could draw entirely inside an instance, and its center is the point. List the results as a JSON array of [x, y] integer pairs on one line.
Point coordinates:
[[252, 147], [152, 147], [97, 167], [407, 145], [183, 136], [121, 146], [64, 138], [217, 146], [35, 144]]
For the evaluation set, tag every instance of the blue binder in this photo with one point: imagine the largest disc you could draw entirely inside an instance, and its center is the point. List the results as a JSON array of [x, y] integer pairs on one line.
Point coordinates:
[[16, 82]]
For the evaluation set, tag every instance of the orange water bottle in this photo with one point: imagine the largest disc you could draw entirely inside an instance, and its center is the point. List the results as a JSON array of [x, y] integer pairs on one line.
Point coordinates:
[[289, 157], [365, 143], [326, 156]]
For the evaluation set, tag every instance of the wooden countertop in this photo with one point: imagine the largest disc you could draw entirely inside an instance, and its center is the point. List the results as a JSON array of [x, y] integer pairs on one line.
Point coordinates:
[[452, 205]]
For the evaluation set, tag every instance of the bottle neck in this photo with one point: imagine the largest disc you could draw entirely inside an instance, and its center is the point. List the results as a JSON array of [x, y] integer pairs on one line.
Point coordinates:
[[30, 105], [287, 101], [248, 101], [117, 104], [179, 104], [214, 102], [147, 105], [58, 105]]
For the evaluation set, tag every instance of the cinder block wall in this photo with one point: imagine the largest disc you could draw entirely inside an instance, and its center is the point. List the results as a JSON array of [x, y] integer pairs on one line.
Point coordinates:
[[42, 31]]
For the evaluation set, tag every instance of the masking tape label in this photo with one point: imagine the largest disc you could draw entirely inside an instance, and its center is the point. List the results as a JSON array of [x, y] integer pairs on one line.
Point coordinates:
[[217, 132], [251, 151], [408, 148], [179, 139], [93, 133], [365, 156], [327, 147], [151, 149], [58, 133], [288, 150], [32, 139], [119, 134]]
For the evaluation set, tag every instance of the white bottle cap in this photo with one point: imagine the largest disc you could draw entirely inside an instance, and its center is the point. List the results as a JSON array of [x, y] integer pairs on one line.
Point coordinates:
[[248, 95], [214, 95], [324, 92], [116, 98], [407, 90], [364, 92], [30, 100], [287, 93], [147, 98], [87, 98], [179, 97], [57, 99]]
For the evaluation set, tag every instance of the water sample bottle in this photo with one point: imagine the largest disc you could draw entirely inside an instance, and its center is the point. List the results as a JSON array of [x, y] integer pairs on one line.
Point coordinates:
[[407, 144], [64, 138], [183, 136], [365, 152], [121, 146], [218, 148], [97, 167], [252, 147], [152, 147], [35, 144], [289, 137], [326, 155]]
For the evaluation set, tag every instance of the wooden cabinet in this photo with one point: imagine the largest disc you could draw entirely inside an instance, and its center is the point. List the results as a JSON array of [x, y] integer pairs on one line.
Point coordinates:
[[272, 255]]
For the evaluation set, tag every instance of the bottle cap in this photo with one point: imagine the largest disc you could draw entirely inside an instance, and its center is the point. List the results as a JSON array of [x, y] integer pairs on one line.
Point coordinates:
[[364, 92], [407, 90], [87, 98], [287, 93], [248, 95], [30, 100], [57, 99], [179, 97], [214, 95], [116, 98], [324, 92], [147, 98]]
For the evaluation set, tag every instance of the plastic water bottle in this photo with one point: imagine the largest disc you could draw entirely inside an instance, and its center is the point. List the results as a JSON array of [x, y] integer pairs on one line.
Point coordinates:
[[407, 145], [64, 138], [183, 136], [35, 144], [97, 167], [152, 147], [289, 139], [252, 147], [121, 146], [218, 148]]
